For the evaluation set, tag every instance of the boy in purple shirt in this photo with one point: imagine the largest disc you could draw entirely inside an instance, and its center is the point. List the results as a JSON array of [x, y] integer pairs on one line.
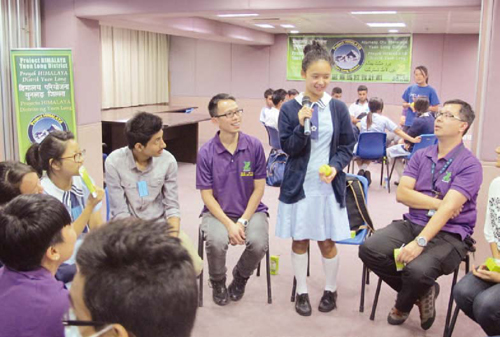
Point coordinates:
[[440, 186], [36, 236], [231, 174]]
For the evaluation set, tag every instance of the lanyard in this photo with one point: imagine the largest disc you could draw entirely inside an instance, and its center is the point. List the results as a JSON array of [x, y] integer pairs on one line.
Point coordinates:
[[441, 171]]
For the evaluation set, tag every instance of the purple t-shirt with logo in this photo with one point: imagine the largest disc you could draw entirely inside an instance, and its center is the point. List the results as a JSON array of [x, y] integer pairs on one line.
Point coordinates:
[[463, 175], [231, 176], [32, 303]]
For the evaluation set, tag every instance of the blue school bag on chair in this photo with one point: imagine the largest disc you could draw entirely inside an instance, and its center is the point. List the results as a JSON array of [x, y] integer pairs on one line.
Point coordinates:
[[276, 167]]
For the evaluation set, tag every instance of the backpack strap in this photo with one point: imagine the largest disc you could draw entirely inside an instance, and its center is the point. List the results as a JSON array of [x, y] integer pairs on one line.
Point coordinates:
[[359, 197]]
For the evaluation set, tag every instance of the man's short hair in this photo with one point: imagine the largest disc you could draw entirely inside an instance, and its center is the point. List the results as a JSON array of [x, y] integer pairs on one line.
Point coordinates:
[[212, 105], [362, 88], [29, 225], [421, 104], [279, 96], [466, 113], [268, 92], [293, 92], [141, 128], [137, 275], [336, 90]]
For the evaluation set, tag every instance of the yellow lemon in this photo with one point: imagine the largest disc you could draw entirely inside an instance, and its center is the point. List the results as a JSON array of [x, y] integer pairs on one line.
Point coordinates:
[[325, 169]]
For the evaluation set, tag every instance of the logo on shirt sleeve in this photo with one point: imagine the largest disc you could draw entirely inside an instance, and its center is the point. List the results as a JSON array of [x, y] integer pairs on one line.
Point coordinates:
[[247, 169]]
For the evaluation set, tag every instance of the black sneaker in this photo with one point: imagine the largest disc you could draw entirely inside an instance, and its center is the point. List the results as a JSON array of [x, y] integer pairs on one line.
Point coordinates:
[[302, 305], [361, 173], [219, 292], [237, 287], [368, 177], [328, 301]]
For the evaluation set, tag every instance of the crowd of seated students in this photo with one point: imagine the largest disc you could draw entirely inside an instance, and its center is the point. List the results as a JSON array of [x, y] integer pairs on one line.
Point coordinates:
[[48, 217]]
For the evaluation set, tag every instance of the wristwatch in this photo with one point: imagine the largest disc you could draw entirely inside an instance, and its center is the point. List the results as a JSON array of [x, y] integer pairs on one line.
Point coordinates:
[[421, 241], [244, 222]]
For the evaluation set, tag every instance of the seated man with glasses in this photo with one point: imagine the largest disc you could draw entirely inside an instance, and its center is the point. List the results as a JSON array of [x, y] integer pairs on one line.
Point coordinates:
[[36, 236], [440, 186], [134, 279], [231, 174]]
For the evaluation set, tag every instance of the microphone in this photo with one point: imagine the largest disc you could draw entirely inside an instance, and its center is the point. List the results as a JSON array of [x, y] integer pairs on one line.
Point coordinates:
[[306, 101]]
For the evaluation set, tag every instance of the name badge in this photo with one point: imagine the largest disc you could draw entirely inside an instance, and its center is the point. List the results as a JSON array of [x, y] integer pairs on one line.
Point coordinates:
[[431, 213], [142, 187]]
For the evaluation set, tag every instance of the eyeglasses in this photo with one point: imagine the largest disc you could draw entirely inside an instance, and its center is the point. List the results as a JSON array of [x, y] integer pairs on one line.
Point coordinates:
[[71, 325], [77, 157], [231, 114], [448, 115]]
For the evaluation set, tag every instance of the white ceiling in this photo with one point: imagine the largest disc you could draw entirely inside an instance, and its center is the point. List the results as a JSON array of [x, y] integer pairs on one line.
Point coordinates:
[[435, 21]]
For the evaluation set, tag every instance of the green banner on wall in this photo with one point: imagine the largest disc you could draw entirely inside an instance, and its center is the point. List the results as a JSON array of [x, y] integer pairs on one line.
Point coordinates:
[[44, 98], [371, 58]]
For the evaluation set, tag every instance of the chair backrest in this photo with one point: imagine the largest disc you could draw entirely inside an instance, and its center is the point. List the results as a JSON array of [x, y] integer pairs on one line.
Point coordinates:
[[274, 137], [371, 145], [427, 140]]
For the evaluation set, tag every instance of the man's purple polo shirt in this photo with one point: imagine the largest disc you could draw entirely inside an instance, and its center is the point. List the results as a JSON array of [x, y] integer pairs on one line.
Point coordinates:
[[32, 303], [463, 175], [231, 176]]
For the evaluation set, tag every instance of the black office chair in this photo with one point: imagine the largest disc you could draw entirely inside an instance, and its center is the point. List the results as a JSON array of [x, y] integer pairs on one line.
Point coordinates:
[[201, 244]]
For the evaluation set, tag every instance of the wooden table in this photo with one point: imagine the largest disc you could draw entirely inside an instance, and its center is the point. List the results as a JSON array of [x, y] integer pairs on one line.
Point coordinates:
[[180, 130]]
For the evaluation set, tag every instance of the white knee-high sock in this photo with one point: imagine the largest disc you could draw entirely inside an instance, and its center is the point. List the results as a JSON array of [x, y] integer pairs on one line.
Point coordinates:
[[331, 268], [299, 264]]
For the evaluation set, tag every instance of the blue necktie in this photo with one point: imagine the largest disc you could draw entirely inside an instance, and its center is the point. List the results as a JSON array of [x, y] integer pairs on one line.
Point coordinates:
[[315, 122]]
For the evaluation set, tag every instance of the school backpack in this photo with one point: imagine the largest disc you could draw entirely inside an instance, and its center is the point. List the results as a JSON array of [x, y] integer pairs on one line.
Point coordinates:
[[275, 167], [357, 211]]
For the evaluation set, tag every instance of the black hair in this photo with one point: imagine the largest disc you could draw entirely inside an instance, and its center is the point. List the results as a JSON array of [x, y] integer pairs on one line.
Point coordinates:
[[11, 176], [374, 104], [29, 225], [314, 52], [137, 275], [421, 105], [336, 90], [293, 92], [52, 146], [141, 128], [466, 113], [268, 92], [362, 88], [279, 96], [424, 71], [212, 105]]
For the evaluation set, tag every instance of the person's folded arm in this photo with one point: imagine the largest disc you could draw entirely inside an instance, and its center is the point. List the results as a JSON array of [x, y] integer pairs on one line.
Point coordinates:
[[407, 195]]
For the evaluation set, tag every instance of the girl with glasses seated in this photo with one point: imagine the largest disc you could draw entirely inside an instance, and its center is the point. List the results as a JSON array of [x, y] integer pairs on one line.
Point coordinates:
[[58, 159]]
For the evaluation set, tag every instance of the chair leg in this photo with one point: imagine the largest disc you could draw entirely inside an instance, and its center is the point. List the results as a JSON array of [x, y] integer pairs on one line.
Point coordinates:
[[258, 270], [363, 284], [200, 253], [308, 260], [367, 276], [388, 175], [294, 288], [449, 329], [450, 302], [382, 173], [375, 299], [393, 166], [268, 272]]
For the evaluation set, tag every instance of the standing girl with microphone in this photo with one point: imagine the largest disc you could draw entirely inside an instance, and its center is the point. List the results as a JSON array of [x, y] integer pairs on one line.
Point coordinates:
[[312, 204]]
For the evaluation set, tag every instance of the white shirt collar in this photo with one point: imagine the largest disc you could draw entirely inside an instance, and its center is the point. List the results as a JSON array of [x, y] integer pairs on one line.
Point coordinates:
[[323, 102]]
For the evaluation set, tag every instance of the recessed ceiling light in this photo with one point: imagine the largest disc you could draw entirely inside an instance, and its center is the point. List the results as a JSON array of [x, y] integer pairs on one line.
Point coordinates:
[[236, 15], [287, 26], [294, 32], [393, 30], [264, 25], [373, 12], [386, 24]]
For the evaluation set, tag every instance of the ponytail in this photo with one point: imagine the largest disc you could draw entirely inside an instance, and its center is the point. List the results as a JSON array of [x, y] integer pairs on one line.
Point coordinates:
[[369, 120], [33, 159]]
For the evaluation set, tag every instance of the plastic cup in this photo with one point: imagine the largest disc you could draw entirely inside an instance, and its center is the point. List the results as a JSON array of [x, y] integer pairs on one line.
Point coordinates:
[[275, 264], [399, 265]]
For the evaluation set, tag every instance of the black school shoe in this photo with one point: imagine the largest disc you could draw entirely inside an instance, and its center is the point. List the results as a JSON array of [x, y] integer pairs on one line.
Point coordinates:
[[302, 305], [368, 177], [219, 292], [237, 287], [361, 173], [328, 301]]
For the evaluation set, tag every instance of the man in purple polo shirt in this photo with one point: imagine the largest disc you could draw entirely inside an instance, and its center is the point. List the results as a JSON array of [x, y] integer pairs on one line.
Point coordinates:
[[440, 186], [231, 174], [36, 237]]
